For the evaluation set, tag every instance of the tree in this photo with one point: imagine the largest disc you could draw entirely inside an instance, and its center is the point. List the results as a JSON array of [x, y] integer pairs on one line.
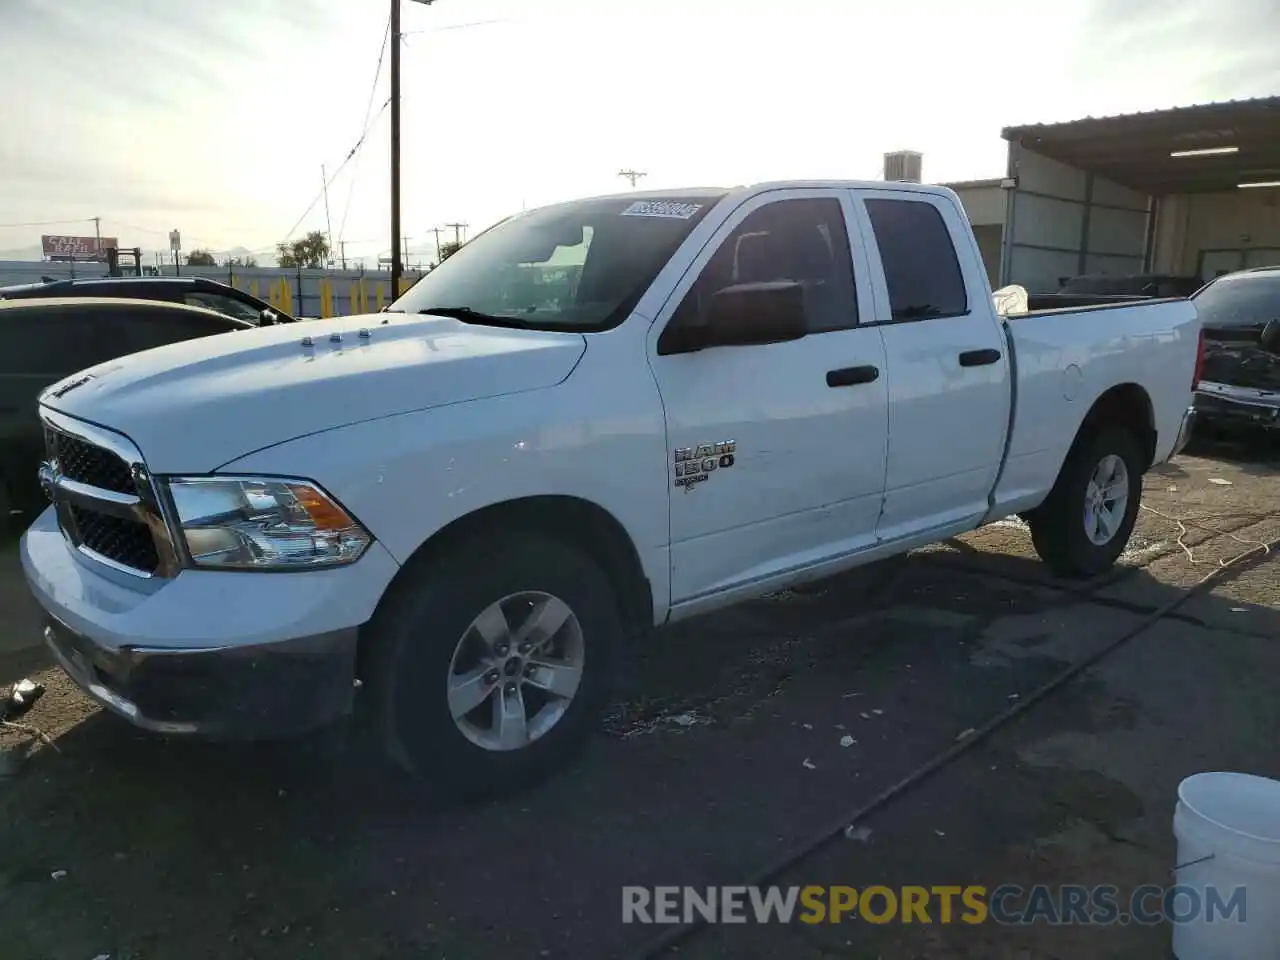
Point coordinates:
[[201, 258], [246, 261], [309, 251], [448, 249]]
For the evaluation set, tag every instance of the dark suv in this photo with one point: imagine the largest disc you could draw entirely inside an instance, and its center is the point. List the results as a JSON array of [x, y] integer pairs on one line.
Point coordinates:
[[192, 291], [1240, 380], [47, 340]]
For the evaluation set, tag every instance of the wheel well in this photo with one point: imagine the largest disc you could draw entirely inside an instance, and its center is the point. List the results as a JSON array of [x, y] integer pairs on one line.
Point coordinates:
[[1127, 405], [581, 523]]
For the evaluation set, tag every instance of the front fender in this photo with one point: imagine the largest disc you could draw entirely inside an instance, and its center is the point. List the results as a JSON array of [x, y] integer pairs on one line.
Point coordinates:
[[407, 477]]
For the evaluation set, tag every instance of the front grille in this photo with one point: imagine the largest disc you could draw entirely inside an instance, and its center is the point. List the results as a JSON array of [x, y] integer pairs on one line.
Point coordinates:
[[103, 494], [124, 541], [83, 462]]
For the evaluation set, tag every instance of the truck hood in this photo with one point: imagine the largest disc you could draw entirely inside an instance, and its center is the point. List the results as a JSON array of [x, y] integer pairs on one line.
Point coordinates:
[[196, 405]]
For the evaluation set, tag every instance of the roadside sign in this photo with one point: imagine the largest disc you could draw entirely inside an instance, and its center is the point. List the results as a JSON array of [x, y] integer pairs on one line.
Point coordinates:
[[175, 241], [76, 248]]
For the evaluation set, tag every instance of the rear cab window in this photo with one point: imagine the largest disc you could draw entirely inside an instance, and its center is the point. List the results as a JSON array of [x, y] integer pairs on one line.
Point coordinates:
[[921, 268]]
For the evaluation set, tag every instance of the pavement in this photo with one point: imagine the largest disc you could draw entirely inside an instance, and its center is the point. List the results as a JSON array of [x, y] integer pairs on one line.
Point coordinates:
[[721, 761]]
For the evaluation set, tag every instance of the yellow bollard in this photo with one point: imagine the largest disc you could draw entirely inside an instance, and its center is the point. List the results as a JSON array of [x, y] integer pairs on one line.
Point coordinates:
[[326, 298], [253, 288], [380, 298]]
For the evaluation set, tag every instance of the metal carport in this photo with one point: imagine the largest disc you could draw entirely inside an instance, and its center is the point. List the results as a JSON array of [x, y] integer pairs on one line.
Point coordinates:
[[1158, 191]]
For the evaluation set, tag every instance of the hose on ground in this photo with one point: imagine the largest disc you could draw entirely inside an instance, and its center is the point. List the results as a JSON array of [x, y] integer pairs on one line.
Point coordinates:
[[674, 935]]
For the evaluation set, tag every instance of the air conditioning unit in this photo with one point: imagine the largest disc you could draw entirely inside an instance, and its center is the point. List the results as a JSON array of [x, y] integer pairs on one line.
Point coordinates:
[[903, 166]]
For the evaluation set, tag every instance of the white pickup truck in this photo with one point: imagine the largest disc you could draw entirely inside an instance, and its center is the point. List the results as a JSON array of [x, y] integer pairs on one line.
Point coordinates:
[[596, 417]]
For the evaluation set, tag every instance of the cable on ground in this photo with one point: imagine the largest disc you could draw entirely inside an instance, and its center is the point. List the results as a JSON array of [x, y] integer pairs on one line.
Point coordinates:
[[673, 936], [1184, 523]]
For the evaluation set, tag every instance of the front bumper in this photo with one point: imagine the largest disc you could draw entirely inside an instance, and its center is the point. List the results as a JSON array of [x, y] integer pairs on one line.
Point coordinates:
[[1225, 405], [268, 691], [235, 655]]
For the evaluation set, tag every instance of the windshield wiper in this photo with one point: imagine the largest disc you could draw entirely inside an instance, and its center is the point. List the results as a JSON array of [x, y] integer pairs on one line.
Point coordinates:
[[470, 315]]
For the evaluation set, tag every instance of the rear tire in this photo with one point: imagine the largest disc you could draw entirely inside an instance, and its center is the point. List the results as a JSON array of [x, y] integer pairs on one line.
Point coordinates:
[[1085, 523], [475, 626]]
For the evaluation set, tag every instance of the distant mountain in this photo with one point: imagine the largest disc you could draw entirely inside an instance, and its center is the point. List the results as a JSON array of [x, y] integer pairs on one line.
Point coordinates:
[[22, 253]]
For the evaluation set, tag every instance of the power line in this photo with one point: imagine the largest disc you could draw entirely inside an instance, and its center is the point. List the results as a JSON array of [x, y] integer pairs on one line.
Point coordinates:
[[46, 223], [359, 143], [373, 89], [455, 26]]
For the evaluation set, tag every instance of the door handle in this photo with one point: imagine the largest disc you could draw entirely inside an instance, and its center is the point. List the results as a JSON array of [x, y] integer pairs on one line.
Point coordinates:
[[979, 358], [851, 376]]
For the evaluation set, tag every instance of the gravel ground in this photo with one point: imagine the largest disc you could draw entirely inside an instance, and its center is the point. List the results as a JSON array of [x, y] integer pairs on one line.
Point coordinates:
[[722, 751]]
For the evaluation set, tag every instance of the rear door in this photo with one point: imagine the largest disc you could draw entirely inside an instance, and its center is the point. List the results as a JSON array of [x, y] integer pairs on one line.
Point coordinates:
[[949, 387]]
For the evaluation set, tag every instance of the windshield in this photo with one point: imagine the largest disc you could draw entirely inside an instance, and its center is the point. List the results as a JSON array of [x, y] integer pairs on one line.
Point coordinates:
[[574, 266], [1239, 300]]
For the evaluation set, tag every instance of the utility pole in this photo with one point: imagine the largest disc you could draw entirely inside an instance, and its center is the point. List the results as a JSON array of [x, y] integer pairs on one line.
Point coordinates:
[[632, 175], [97, 232], [457, 231], [436, 231], [397, 266], [328, 226], [342, 253]]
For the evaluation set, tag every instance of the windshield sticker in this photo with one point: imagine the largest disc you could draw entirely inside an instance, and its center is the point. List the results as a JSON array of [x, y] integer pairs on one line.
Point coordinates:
[[667, 209]]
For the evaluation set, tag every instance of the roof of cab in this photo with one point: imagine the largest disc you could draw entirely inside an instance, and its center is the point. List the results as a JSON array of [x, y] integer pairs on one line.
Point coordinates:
[[679, 193]]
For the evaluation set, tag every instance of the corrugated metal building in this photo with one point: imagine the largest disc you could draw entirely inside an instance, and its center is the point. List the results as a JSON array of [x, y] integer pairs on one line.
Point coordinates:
[[1191, 191], [1168, 191]]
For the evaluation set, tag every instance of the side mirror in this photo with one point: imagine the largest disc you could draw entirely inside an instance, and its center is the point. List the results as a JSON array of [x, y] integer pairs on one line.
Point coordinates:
[[268, 318], [755, 313], [1271, 337]]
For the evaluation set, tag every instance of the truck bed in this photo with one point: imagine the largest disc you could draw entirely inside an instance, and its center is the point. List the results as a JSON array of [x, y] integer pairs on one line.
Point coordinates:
[[1065, 359]]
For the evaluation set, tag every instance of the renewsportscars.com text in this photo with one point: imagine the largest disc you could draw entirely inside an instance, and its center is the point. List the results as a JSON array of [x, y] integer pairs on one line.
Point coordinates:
[[1005, 904]]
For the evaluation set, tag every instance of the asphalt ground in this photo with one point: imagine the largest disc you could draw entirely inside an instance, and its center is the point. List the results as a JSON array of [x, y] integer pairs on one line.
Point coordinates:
[[723, 750]]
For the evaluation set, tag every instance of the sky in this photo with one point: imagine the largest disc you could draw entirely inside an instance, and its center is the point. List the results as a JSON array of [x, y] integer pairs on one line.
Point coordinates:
[[216, 118]]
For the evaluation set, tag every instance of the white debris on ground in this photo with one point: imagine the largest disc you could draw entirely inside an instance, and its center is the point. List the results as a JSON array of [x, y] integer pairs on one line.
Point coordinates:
[[847, 741], [860, 834], [809, 764]]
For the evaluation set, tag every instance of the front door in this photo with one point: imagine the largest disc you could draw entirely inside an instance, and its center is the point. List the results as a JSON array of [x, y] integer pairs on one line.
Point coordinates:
[[777, 451]]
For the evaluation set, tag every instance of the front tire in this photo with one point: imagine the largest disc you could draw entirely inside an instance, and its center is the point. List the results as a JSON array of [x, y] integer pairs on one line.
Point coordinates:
[[490, 665], [1084, 525]]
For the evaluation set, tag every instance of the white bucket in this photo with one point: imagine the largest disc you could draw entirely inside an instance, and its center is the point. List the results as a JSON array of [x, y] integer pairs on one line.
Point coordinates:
[[1228, 831]]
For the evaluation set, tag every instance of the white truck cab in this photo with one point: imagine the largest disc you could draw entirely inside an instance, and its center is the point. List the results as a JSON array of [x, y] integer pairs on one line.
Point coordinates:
[[596, 417]]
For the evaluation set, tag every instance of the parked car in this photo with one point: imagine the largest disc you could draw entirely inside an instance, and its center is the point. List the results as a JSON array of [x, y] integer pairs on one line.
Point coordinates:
[[46, 340], [1241, 383], [1099, 288], [472, 502], [193, 291]]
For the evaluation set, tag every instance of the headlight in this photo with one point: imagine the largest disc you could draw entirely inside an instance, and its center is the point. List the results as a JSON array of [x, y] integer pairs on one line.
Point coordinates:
[[264, 523]]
